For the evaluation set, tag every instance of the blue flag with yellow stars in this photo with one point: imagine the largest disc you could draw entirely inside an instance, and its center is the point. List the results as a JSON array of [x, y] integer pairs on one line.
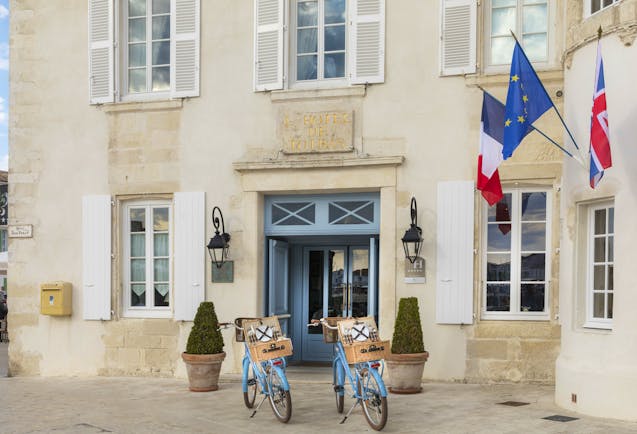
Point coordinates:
[[527, 100]]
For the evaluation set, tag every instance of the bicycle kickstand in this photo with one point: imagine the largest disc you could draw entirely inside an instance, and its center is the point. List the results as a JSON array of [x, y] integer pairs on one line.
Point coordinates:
[[350, 411], [258, 406]]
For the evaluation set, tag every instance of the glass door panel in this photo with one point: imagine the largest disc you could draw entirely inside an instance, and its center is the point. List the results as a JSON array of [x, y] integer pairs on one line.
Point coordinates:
[[315, 288], [359, 282], [337, 289]]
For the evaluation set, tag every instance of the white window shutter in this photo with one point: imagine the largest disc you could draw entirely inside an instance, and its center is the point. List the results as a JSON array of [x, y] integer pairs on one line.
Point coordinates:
[[367, 41], [454, 273], [189, 254], [458, 37], [96, 257], [269, 17], [101, 51], [184, 48]]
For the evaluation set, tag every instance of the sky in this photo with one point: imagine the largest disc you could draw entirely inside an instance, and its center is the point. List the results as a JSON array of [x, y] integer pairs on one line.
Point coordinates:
[[4, 84]]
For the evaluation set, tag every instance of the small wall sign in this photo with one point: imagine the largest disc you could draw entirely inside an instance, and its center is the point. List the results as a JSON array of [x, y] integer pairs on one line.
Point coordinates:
[[21, 231], [415, 273], [225, 274]]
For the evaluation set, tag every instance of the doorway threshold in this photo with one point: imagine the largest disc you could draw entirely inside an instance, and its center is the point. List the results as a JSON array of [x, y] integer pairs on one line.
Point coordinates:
[[310, 372]]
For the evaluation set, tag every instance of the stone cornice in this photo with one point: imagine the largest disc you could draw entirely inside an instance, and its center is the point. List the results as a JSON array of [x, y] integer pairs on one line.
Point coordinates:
[[317, 163]]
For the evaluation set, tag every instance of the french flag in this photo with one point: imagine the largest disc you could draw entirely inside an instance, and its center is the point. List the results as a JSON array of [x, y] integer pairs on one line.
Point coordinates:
[[491, 140], [600, 141]]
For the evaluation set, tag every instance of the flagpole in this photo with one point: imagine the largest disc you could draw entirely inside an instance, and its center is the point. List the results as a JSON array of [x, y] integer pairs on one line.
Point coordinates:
[[547, 94]]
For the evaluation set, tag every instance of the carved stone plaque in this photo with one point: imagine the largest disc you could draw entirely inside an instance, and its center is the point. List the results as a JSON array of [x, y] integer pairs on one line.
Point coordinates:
[[316, 132]]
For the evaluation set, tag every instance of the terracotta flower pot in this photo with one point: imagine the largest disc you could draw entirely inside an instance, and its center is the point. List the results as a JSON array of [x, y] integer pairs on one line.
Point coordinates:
[[405, 372], [203, 370]]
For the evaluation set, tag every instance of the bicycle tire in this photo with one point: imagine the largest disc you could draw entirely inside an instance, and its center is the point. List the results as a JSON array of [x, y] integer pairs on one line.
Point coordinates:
[[339, 387], [280, 399], [250, 396], [374, 405]]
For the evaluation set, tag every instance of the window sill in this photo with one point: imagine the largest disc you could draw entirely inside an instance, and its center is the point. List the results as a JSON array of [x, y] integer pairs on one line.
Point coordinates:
[[490, 77], [137, 106], [491, 316], [300, 94], [161, 314], [598, 326]]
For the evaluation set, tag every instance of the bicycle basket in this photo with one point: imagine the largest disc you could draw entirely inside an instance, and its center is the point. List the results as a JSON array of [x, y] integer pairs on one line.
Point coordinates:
[[240, 322], [330, 336]]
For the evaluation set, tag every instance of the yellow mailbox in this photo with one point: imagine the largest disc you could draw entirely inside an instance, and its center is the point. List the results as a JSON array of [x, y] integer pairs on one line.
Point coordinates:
[[56, 298]]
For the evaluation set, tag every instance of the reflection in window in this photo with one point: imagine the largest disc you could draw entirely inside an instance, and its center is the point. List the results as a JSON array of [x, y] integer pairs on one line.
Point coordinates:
[[516, 253]]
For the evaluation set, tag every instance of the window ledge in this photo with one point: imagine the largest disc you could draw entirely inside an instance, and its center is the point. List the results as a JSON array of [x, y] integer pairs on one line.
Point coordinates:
[[300, 94], [598, 326], [314, 163], [137, 106], [142, 314], [493, 78], [515, 317]]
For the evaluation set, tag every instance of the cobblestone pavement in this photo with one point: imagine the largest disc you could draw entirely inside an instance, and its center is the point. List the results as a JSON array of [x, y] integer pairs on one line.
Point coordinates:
[[151, 405]]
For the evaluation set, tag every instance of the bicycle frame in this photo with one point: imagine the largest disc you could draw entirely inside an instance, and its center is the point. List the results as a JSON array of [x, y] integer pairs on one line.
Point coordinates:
[[260, 368], [354, 378]]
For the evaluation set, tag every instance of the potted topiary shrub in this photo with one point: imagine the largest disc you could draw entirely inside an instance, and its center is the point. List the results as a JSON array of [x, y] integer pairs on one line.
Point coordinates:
[[204, 350], [408, 356]]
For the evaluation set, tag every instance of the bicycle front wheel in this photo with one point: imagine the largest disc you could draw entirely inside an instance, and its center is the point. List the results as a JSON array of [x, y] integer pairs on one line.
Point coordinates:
[[251, 378], [280, 399], [374, 404]]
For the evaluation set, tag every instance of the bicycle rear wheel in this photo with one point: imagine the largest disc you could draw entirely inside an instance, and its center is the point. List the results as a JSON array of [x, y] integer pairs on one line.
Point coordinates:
[[339, 381], [374, 404], [251, 394], [280, 399]]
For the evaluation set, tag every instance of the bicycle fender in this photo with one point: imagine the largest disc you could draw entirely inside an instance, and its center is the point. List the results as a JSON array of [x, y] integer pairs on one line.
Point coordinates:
[[283, 377], [379, 380], [244, 374]]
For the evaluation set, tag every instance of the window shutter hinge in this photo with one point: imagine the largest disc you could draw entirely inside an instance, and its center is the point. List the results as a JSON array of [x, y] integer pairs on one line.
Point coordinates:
[[112, 203], [112, 255]]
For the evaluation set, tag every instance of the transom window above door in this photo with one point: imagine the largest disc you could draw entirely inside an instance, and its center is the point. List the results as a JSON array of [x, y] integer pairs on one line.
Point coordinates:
[[322, 215]]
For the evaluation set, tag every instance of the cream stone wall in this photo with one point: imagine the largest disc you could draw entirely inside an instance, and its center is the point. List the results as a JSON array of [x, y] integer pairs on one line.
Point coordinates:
[[597, 366], [409, 133]]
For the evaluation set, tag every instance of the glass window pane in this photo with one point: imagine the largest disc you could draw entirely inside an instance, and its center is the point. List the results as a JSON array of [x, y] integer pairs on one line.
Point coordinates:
[[161, 6], [160, 245], [137, 80], [609, 307], [611, 248], [533, 237], [160, 219], [137, 30], [315, 288], [498, 267], [535, 46], [611, 220], [138, 220], [136, 55], [600, 249], [334, 65], [161, 78], [610, 278], [161, 27], [500, 212], [497, 240], [360, 281], [136, 8], [307, 41], [138, 295], [334, 38], [138, 270], [533, 267], [161, 53], [600, 221], [532, 297], [307, 14], [598, 305], [502, 50], [599, 276], [502, 21], [595, 5], [535, 19], [162, 295], [335, 11], [498, 297], [138, 245], [160, 270], [534, 206], [306, 68], [503, 3]]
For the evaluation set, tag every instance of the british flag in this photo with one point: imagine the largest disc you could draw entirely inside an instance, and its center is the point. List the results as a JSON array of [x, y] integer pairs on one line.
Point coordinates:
[[600, 141]]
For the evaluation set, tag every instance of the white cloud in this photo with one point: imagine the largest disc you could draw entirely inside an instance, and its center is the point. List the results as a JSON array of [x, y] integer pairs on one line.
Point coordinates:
[[3, 111], [4, 12]]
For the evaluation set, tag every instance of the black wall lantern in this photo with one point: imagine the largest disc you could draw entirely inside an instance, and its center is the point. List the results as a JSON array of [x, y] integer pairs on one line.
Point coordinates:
[[412, 240], [218, 245]]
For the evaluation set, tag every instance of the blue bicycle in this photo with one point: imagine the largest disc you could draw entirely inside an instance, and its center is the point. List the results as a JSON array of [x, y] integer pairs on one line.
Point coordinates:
[[361, 371], [264, 364]]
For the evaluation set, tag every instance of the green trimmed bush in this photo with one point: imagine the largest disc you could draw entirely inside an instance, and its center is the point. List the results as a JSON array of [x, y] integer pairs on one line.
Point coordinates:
[[205, 337], [407, 337]]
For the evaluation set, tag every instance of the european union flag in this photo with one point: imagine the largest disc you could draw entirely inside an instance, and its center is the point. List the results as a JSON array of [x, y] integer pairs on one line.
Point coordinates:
[[527, 100]]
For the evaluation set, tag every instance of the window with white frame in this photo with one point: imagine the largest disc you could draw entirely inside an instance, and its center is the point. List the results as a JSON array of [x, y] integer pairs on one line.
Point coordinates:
[[600, 265], [593, 6], [318, 43], [528, 19], [147, 259], [516, 256], [143, 49]]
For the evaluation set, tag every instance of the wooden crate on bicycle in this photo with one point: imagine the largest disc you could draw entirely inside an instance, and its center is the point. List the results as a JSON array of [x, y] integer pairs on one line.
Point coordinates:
[[330, 336], [265, 339], [360, 340]]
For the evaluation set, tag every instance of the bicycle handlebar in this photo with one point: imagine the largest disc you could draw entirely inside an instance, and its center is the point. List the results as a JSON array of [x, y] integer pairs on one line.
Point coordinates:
[[316, 322]]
